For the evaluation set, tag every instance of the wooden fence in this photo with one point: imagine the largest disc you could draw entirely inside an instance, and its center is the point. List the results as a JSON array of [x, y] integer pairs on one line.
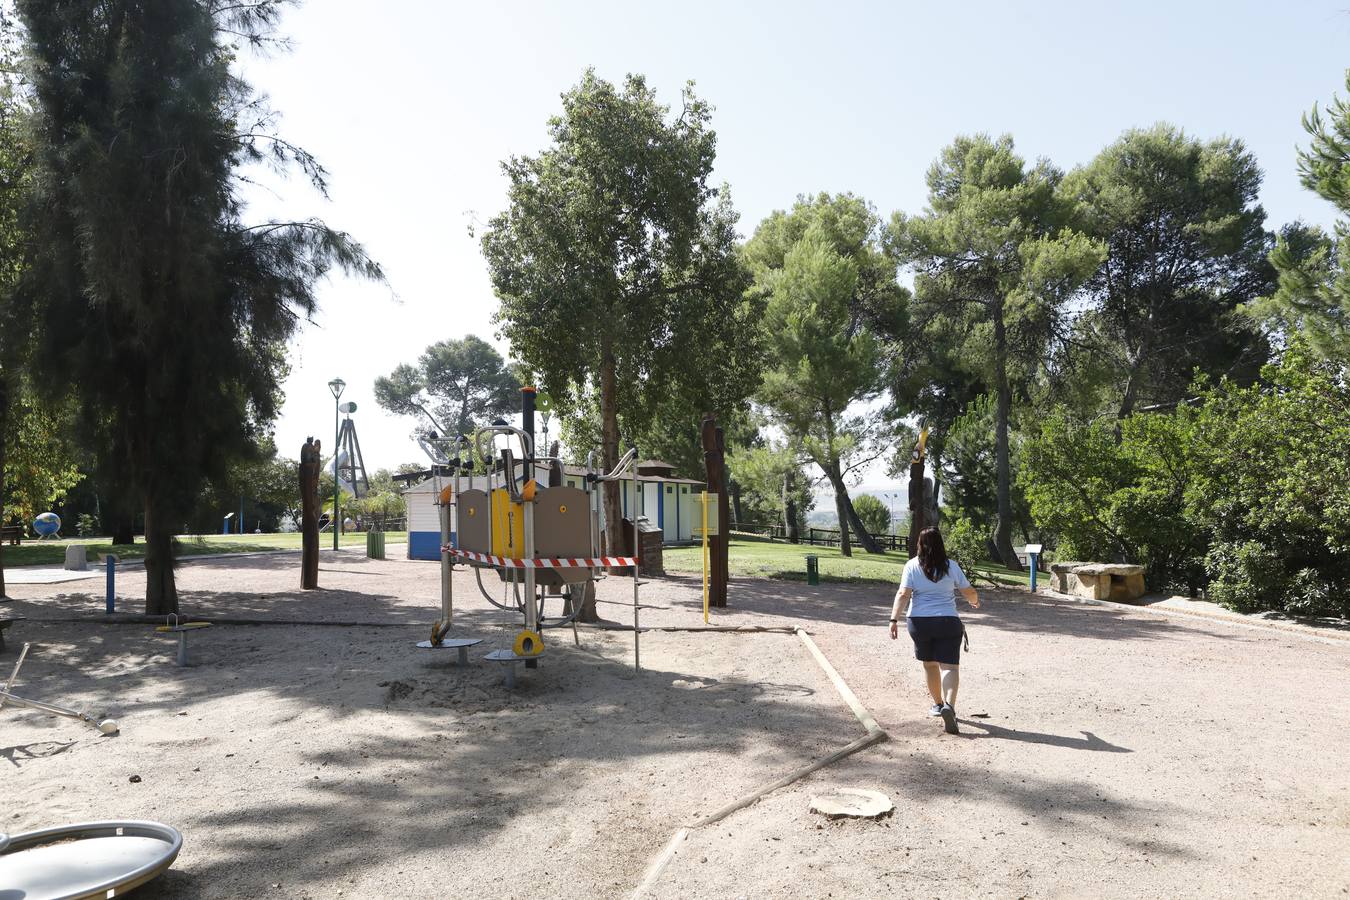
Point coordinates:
[[823, 537]]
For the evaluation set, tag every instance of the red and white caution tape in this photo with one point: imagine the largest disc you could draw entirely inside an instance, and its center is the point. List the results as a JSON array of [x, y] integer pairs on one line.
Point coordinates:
[[506, 562]]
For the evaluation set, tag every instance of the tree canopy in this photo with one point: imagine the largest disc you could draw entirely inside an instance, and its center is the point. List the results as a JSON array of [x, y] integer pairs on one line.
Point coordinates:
[[159, 300], [994, 263], [615, 264], [460, 383]]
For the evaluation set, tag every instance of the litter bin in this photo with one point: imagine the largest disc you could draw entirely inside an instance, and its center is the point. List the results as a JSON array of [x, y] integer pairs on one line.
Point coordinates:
[[375, 544], [812, 569]]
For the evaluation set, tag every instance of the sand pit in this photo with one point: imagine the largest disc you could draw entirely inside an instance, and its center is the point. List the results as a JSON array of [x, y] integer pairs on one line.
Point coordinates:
[[1114, 753]]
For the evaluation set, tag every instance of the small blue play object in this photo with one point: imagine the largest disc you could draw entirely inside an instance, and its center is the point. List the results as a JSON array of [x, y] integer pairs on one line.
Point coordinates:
[[47, 524]]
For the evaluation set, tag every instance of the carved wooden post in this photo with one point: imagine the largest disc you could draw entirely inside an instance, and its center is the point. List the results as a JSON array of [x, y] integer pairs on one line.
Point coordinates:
[[309, 514], [918, 508], [714, 451]]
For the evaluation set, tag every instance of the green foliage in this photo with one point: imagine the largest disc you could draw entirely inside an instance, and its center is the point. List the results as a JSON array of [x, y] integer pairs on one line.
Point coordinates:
[[1124, 502], [87, 525], [1312, 298], [1185, 247], [461, 384], [966, 542], [39, 466], [167, 310], [773, 485], [377, 508], [615, 262], [994, 264], [875, 515], [1274, 488]]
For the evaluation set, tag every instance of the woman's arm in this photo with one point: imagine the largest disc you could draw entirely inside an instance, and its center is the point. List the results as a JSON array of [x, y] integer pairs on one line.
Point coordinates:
[[901, 597], [971, 597]]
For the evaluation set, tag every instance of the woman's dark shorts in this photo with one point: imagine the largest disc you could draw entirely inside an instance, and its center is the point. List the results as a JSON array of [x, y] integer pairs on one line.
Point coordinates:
[[936, 638]]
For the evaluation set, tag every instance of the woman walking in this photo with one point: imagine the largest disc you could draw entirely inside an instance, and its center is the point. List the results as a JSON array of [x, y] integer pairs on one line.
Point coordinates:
[[930, 584]]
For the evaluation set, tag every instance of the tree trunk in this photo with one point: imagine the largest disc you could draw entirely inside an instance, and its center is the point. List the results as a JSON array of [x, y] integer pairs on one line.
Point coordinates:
[[161, 594], [124, 529], [4, 429], [1003, 522], [790, 510], [609, 458], [1128, 400], [310, 462]]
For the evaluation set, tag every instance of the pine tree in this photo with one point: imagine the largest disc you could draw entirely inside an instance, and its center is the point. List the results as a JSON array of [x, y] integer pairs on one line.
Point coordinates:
[[164, 312]]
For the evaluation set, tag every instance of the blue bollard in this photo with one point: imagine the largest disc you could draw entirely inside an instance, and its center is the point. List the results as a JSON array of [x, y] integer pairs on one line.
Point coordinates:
[[1033, 556], [112, 590]]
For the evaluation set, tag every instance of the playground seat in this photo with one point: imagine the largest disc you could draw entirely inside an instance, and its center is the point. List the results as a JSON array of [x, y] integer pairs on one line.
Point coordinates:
[[5, 623], [509, 659], [460, 644]]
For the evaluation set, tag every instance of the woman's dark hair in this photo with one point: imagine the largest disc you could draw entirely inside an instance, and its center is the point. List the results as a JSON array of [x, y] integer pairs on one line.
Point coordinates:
[[932, 554]]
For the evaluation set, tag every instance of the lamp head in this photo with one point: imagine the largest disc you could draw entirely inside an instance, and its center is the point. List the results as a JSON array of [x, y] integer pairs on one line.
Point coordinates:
[[337, 385]]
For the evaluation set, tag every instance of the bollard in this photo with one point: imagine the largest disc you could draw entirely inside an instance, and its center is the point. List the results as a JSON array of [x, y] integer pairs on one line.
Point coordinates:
[[812, 569], [111, 561], [375, 544]]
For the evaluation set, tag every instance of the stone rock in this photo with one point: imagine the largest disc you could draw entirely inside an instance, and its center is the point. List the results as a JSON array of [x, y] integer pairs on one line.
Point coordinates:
[[855, 803], [76, 558], [1120, 582]]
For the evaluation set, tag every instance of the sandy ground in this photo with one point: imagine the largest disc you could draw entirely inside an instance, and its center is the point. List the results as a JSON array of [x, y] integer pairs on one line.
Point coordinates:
[[1104, 752]]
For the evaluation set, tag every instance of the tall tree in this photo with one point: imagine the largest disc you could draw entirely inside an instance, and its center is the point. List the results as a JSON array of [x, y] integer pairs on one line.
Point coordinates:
[[460, 383], [616, 267], [165, 310], [1312, 295], [1185, 247], [993, 264], [827, 281]]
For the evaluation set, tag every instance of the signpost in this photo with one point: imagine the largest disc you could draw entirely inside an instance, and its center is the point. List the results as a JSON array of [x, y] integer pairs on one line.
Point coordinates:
[[1033, 557]]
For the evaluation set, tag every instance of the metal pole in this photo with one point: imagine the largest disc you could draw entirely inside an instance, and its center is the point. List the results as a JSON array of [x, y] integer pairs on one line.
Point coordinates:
[[337, 491], [637, 560], [112, 591]]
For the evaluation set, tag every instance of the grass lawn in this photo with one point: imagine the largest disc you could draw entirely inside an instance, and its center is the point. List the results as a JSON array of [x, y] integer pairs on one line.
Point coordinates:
[[32, 553], [788, 561]]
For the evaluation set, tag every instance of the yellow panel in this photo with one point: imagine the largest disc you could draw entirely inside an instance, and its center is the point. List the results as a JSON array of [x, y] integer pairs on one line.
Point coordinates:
[[507, 514]]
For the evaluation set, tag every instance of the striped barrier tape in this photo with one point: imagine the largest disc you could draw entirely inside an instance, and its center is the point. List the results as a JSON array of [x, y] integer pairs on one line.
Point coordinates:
[[506, 562]]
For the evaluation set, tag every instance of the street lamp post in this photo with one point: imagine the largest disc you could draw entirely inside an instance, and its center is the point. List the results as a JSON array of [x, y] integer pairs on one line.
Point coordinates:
[[890, 506], [336, 386]]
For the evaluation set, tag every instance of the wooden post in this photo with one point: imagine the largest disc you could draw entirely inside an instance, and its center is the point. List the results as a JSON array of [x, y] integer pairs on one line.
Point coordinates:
[[917, 504], [309, 514], [714, 449]]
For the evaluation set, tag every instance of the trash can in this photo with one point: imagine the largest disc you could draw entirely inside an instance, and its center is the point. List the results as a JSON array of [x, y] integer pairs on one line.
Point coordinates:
[[812, 569], [375, 544]]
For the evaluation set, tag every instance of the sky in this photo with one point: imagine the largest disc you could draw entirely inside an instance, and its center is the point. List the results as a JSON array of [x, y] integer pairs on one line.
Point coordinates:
[[412, 106]]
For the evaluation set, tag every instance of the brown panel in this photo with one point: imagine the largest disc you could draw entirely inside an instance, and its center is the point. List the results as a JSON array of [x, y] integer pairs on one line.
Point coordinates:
[[472, 520]]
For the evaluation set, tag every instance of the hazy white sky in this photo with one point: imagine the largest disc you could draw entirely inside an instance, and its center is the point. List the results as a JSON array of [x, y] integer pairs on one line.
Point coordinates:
[[412, 105]]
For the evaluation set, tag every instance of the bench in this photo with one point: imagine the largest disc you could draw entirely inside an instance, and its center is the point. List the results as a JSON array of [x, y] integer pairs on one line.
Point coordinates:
[[1120, 582], [5, 623], [11, 533]]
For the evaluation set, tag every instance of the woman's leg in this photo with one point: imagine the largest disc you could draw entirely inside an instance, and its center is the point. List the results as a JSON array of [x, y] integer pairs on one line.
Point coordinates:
[[934, 676], [951, 681]]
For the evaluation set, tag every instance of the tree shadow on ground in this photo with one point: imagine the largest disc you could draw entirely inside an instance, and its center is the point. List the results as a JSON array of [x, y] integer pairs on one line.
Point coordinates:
[[1002, 608]]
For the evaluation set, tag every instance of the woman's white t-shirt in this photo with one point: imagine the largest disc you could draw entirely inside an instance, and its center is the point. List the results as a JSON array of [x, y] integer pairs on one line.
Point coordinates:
[[932, 598]]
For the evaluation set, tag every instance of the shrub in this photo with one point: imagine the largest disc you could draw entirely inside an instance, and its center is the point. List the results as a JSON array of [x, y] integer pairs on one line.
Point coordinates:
[[965, 542]]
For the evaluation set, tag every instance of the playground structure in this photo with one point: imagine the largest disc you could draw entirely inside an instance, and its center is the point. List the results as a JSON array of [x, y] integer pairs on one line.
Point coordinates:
[[105, 726], [543, 541]]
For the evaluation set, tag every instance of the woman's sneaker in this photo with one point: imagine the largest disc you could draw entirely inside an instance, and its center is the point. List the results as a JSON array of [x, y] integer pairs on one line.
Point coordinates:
[[948, 718], [935, 710]]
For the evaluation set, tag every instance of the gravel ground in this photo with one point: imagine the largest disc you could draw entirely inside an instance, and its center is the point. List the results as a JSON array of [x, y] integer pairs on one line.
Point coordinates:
[[1104, 752]]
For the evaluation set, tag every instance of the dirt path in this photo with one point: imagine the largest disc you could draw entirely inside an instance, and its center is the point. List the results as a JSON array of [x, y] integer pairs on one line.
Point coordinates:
[[1120, 753]]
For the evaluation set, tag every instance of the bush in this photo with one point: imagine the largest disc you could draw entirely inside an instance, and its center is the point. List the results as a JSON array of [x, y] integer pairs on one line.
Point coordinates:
[[965, 542], [87, 525], [876, 518]]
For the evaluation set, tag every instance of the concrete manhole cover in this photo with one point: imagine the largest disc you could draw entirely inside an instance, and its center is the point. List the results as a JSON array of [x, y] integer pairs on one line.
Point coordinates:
[[852, 802]]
